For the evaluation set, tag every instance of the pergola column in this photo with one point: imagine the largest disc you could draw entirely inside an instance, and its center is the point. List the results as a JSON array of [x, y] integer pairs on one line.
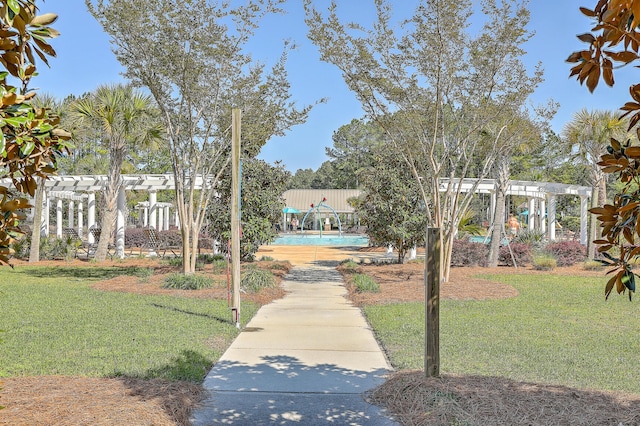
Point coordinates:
[[543, 221], [145, 217], [91, 215], [177, 219], [59, 218], [153, 196], [553, 202], [167, 212], [160, 218], [493, 207], [70, 216], [531, 219], [583, 219], [44, 226], [120, 223], [80, 218]]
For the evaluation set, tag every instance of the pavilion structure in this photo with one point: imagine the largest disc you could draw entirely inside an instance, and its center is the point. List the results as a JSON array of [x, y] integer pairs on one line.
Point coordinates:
[[542, 198], [75, 191]]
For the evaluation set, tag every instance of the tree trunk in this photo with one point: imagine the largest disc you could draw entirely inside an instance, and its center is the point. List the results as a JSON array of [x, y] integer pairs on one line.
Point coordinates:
[[591, 247], [502, 182], [34, 249], [111, 202]]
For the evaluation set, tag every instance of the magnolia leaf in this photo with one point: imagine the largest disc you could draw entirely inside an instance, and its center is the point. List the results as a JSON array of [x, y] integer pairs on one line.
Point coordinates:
[[45, 47], [587, 38], [632, 151], [588, 12], [593, 78], [629, 206], [609, 287], [44, 19], [619, 284], [607, 72]]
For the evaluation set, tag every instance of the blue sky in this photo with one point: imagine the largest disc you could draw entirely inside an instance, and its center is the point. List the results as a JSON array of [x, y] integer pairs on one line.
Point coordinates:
[[85, 61]]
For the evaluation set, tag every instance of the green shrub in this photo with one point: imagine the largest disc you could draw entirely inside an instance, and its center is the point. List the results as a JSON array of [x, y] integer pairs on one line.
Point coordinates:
[[349, 266], [187, 282], [219, 266], [521, 252], [534, 238], [593, 265], [254, 279], [544, 262], [143, 273], [278, 266], [173, 261], [365, 284], [267, 259], [467, 253], [567, 252]]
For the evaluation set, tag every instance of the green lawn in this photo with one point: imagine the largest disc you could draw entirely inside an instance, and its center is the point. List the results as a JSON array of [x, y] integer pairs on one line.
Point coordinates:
[[53, 323], [558, 330]]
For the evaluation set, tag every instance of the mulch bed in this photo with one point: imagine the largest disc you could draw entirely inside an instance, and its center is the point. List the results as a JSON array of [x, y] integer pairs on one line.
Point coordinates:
[[474, 400]]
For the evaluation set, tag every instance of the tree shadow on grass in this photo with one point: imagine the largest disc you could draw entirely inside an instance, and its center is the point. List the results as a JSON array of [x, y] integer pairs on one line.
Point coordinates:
[[174, 386], [100, 273], [198, 314]]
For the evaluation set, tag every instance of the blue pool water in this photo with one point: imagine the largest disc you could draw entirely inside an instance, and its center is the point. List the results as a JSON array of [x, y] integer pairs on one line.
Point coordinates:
[[325, 240]]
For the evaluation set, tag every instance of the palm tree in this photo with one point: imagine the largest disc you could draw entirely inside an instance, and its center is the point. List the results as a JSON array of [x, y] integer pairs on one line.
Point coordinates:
[[125, 117], [587, 135]]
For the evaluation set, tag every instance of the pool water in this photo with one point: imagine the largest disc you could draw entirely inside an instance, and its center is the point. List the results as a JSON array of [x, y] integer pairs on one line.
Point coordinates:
[[317, 240]]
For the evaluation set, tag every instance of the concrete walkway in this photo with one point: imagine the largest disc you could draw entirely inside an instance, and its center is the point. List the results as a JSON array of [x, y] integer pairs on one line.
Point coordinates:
[[306, 359]]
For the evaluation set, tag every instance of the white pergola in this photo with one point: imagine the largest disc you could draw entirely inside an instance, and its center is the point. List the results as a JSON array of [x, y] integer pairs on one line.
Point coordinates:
[[540, 194], [75, 190], [78, 189]]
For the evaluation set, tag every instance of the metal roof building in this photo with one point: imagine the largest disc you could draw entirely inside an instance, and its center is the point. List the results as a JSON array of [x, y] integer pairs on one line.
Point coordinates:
[[301, 199]]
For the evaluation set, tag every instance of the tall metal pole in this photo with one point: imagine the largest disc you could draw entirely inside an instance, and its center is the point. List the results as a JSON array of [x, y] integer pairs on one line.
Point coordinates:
[[235, 214], [432, 300]]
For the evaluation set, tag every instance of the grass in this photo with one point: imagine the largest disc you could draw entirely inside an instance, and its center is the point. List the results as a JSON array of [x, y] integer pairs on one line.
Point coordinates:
[[54, 324], [559, 330], [365, 284]]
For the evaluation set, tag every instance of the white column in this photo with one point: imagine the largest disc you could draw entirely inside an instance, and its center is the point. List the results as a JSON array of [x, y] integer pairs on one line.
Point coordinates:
[[413, 253], [153, 209], [177, 219], [160, 218], [543, 220], [45, 215], [80, 218], [532, 212], [120, 223], [583, 219], [167, 212], [70, 216], [493, 208], [59, 218], [552, 217], [91, 215], [145, 217]]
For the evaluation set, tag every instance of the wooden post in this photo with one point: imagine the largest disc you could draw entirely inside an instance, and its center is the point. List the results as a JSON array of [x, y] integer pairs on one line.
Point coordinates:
[[235, 214], [432, 303]]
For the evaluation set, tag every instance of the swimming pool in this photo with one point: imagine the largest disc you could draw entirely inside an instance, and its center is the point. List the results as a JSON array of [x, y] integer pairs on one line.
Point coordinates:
[[325, 240]]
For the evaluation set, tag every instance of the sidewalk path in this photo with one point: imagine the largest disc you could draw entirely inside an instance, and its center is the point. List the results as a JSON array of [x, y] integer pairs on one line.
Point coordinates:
[[306, 359]]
